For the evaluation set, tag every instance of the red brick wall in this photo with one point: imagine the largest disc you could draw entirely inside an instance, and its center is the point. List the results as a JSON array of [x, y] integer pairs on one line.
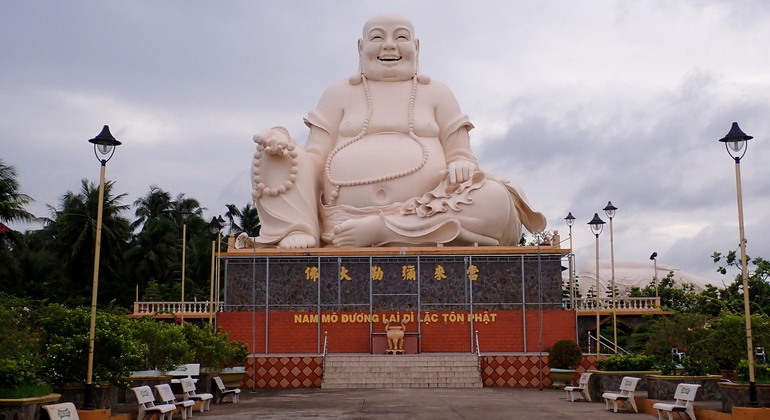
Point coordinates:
[[442, 331]]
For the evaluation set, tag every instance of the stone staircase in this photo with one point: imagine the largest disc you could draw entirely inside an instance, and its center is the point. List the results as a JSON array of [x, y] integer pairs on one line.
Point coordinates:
[[444, 370]]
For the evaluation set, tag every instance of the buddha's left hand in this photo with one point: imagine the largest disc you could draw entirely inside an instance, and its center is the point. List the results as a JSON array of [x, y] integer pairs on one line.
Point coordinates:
[[461, 171]]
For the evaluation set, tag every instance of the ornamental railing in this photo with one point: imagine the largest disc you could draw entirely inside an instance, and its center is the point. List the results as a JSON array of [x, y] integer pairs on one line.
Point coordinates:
[[189, 309], [622, 304]]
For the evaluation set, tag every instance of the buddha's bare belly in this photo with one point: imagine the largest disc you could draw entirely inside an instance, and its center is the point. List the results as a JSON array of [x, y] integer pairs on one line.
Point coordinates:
[[391, 159]]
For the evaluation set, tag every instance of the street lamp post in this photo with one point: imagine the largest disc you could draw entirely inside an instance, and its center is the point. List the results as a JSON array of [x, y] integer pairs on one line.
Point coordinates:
[[185, 213], [214, 228], [654, 258], [609, 210], [104, 145], [570, 220], [735, 143], [597, 225], [222, 224]]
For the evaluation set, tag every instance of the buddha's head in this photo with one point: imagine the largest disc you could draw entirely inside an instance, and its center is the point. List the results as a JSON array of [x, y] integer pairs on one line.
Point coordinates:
[[388, 50]]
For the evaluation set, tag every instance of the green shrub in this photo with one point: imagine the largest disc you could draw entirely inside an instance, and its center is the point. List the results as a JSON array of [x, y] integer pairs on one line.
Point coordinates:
[[761, 372], [565, 354], [627, 362], [207, 345], [238, 352], [164, 345], [65, 337], [21, 372]]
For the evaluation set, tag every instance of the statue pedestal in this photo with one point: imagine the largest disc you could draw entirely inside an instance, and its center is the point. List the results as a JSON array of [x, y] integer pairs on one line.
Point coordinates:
[[443, 295], [380, 344]]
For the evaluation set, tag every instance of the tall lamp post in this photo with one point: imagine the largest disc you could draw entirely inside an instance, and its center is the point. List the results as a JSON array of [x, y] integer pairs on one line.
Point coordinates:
[[104, 145], [654, 258], [214, 228], [222, 224], [597, 225], [570, 220], [609, 210], [735, 143], [185, 213]]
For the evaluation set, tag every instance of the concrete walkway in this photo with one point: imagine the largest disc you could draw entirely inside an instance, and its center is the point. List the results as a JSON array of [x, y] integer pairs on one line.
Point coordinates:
[[412, 403]]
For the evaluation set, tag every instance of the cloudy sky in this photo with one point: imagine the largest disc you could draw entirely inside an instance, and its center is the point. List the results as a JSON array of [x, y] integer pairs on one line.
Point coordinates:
[[579, 102]]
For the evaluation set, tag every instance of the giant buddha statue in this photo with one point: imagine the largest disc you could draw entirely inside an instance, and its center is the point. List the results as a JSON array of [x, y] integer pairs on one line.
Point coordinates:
[[388, 162]]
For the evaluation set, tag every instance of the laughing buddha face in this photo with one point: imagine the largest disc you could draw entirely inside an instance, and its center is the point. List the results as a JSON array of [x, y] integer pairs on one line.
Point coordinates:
[[388, 50]]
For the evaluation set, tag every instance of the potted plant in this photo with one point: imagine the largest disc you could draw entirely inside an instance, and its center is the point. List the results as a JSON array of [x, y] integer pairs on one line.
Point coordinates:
[[563, 358], [233, 374]]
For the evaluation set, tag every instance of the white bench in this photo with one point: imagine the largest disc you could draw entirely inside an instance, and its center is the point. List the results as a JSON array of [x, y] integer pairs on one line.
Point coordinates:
[[147, 406], [224, 391], [62, 411], [582, 388], [684, 396], [189, 370], [167, 397], [626, 394], [188, 387]]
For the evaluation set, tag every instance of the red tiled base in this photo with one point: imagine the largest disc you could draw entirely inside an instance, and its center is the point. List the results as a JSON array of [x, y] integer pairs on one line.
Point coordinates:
[[284, 372], [306, 371], [523, 371]]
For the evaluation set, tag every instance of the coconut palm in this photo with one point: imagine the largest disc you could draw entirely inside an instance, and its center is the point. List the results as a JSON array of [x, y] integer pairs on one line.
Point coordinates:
[[73, 226], [12, 202], [12, 243], [154, 253], [243, 220], [157, 203]]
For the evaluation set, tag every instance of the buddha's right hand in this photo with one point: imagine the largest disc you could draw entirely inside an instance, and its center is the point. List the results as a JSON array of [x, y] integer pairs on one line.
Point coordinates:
[[275, 141]]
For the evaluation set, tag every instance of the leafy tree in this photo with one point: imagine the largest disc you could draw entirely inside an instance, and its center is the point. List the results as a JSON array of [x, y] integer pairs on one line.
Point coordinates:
[[73, 229], [759, 287], [12, 201], [154, 252], [673, 297], [245, 219], [12, 243], [155, 205]]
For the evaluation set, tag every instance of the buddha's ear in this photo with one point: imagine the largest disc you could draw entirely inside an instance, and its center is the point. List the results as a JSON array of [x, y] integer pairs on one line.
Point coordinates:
[[422, 78], [356, 78]]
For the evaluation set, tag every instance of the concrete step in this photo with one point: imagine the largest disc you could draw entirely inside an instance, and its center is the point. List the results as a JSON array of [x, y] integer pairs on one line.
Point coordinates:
[[455, 370]]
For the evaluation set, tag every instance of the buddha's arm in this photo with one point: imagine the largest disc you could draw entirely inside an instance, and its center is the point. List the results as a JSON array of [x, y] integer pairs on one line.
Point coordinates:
[[324, 124], [454, 127]]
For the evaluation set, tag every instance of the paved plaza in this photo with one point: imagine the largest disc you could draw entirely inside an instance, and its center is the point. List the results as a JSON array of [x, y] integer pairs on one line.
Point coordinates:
[[412, 403]]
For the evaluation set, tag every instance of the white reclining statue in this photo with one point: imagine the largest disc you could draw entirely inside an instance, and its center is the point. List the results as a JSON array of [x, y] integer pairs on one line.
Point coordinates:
[[387, 162]]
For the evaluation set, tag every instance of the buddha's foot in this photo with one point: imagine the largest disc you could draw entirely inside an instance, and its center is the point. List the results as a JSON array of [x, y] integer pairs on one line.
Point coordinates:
[[366, 231], [298, 240]]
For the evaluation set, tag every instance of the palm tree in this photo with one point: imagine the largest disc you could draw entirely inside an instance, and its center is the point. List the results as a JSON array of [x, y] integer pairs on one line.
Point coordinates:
[[12, 243], [157, 203], [154, 253], [182, 203], [232, 213], [73, 226], [250, 220], [12, 202], [247, 219]]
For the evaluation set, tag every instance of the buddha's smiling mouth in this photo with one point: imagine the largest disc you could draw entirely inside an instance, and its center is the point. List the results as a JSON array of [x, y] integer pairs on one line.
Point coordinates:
[[389, 58]]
